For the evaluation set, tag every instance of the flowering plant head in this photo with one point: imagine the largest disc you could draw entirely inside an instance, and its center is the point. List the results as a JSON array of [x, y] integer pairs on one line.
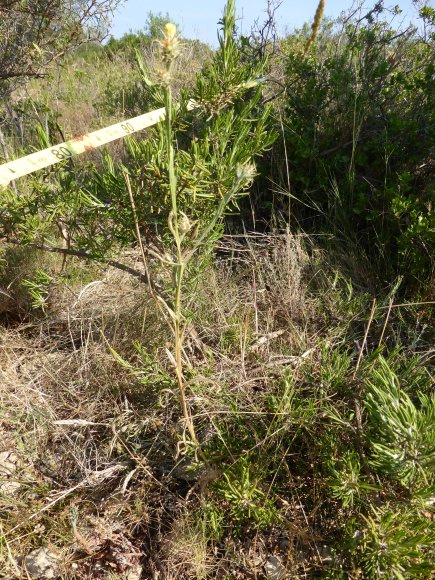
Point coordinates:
[[169, 44], [170, 30]]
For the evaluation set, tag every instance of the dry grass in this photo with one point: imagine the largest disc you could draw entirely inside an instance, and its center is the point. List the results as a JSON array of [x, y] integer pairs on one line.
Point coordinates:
[[97, 476], [66, 417], [90, 427]]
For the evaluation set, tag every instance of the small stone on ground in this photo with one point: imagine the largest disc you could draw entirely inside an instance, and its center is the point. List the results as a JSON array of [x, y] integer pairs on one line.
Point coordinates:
[[274, 568], [42, 564]]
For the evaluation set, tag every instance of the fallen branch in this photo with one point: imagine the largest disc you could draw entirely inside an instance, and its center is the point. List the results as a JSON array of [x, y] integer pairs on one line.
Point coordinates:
[[144, 278]]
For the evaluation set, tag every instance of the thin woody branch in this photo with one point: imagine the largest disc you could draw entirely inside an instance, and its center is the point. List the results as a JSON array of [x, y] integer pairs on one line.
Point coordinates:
[[144, 278]]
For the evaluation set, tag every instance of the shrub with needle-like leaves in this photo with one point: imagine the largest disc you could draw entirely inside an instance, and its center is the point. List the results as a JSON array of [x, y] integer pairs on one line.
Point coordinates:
[[402, 430]]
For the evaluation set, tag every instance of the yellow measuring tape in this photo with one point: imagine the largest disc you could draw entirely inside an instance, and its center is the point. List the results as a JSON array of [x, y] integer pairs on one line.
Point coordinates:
[[46, 157], [30, 163]]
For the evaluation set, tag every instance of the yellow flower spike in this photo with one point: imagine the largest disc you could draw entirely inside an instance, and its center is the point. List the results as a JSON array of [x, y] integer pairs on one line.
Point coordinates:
[[170, 30], [169, 46]]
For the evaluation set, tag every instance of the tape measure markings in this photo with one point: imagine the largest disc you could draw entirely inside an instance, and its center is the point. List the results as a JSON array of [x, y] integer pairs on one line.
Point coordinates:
[[78, 145]]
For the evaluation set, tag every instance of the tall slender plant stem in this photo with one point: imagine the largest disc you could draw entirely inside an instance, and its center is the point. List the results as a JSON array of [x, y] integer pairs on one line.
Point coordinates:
[[179, 270]]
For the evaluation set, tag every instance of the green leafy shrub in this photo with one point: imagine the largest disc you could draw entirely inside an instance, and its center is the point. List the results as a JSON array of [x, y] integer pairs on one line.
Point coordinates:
[[401, 430], [358, 130], [38, 288], [393, 542], [249, 504]]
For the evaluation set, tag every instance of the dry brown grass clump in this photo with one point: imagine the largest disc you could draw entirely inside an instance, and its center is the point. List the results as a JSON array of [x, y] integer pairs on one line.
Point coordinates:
[[66, 423]]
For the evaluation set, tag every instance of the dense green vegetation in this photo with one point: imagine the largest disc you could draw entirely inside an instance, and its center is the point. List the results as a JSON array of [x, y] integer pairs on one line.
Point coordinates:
[[216, 335]]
